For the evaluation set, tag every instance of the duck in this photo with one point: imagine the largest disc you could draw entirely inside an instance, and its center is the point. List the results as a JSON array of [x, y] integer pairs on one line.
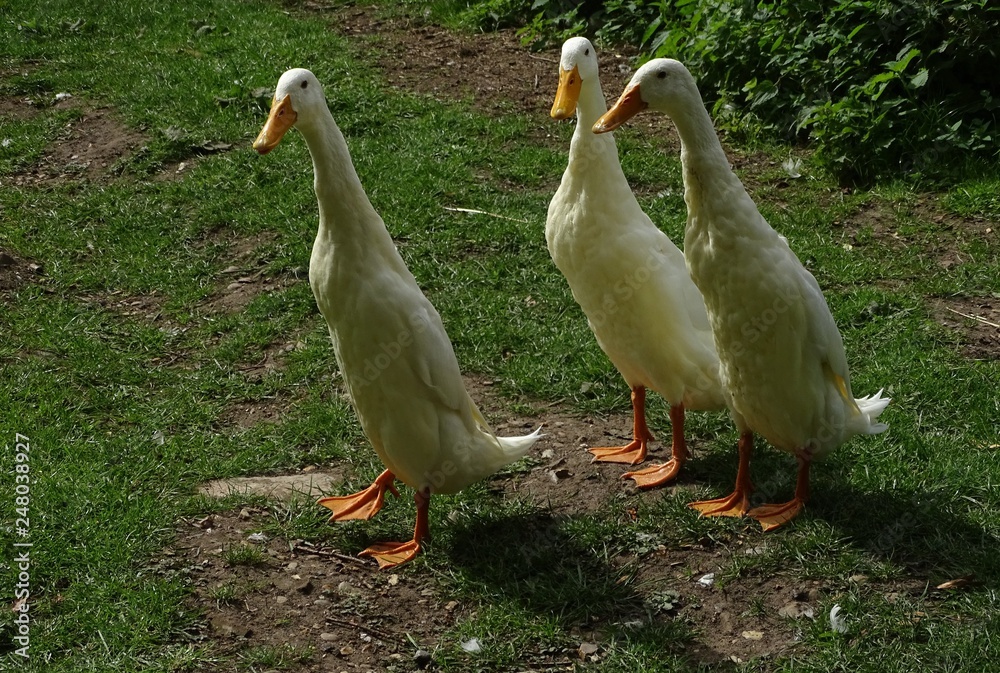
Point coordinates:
[[782, 360], [396, 359], [628, 277]]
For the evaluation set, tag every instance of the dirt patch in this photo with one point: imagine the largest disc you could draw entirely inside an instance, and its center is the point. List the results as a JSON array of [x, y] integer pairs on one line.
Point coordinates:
[[247, 413], [245, 276], [15, 272], [88, 147], [310, 605], [17, 108], [977, 322], [494, 70], [940, 235]]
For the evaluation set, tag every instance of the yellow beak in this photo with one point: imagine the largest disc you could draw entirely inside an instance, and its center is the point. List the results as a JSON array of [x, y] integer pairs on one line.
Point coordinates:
[[281, 118], [567, 94], [629, 105]]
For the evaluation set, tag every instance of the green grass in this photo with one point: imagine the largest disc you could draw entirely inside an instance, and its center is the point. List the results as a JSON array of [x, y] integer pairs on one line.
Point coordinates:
[[122, 410]]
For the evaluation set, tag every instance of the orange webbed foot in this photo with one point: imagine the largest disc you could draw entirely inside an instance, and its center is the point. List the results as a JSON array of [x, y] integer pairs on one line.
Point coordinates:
[[391, 554], [775, 516], [735, 504], [631, 454], [655, 475], [364, 504]]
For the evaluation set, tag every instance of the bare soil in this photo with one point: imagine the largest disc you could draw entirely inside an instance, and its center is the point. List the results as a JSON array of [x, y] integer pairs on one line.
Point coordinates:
[[88, 147]]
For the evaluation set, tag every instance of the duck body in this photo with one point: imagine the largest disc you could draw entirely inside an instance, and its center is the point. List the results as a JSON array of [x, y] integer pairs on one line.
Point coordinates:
[[392, 349], [631, 282], [628, 277], [400, 369], [783, 365]]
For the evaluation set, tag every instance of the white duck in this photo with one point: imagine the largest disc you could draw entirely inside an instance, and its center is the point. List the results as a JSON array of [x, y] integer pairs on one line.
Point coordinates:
[[628, 277], [783, 363], [395, 357]]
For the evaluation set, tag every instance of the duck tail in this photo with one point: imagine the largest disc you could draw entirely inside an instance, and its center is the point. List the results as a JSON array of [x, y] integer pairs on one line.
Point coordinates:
[[511, 447], [515, 447], [870, 407]]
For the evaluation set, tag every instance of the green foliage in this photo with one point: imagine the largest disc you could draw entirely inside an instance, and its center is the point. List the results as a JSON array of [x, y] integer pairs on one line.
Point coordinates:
[[882, 88]]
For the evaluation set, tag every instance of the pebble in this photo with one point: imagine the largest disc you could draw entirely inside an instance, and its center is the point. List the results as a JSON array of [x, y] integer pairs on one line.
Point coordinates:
[[422, 658]]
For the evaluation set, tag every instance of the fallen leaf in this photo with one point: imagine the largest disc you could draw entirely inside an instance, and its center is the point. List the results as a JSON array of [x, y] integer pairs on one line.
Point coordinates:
[[958, 583]]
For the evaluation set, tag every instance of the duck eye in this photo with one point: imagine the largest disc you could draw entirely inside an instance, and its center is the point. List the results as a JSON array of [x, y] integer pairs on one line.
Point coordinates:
[[305, 84], [662, 74], [586, 52]]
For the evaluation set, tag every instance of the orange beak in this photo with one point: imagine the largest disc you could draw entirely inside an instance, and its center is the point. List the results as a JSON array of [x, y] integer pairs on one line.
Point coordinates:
[[629, 105], [281, 119], [567, 94]]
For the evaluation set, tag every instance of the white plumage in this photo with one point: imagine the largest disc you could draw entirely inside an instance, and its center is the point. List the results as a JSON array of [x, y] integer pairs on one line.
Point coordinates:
[[626, 274], [783, 364], [393, 352]]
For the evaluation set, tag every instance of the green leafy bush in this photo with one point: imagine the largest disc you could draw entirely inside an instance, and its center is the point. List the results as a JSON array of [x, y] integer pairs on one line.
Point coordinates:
[[882, 88]]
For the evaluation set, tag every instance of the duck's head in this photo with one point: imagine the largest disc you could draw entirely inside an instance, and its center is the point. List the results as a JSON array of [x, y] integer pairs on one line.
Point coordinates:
[[577, 63], [297, 98], [662, 84]]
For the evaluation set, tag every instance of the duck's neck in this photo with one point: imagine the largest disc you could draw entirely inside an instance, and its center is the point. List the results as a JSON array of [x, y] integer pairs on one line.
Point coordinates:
[[707, 175], [346, 216], [588, 147]]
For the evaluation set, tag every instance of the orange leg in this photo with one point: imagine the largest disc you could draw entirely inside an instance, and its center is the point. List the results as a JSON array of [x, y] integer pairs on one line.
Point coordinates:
[[363, 504], [773, 516], [390, 554], [737, 503], [635, 451], [657, 475]]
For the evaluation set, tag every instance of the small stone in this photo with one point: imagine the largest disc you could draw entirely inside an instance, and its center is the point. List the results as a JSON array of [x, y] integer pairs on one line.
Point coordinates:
[[796, 609], [305, 587], [328, 636], [345, 588], [244, 514], [752, 635], [560, 474], [422, 659], [292, 565], [393, 580], [281, 600], [346, 651], [587, 649]]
